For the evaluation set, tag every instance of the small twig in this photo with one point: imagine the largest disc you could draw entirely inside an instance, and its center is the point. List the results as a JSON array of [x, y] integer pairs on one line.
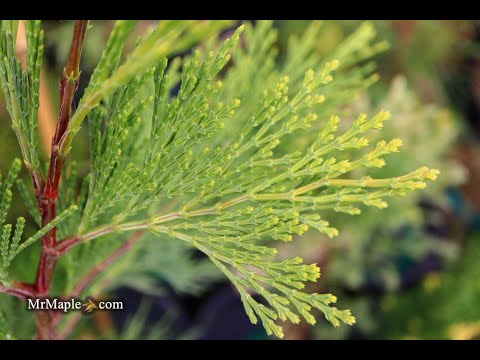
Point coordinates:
[[17, 292], [97, 269], [92, 274], [70, 325], [65, 245]]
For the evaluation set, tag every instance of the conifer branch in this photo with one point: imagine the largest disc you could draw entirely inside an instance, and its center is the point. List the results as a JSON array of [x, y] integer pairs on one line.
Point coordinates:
[[160, 149], [19, 79], [407, 182]]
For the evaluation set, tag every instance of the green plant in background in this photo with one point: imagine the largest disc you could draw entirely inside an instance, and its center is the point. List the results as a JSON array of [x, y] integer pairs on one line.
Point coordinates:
[[370, 244], [213, 166], [369, 248], [408, 39], [442, 307], [374, 249]]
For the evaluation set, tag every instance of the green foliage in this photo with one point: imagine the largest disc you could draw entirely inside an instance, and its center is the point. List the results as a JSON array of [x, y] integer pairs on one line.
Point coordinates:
[[20, 87], [170, 36], [214, 166], [10, 244], [4, 328], [29, 202]]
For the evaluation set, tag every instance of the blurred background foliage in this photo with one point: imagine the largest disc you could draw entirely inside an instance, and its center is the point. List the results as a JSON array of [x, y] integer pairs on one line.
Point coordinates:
[[410, 271]]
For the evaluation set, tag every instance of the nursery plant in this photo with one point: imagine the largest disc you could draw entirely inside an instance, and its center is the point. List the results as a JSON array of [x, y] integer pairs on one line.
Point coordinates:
[[195, 150]]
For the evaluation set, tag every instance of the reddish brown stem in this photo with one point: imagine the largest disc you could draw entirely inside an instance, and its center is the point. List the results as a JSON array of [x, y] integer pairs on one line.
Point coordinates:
[[42, 325], [44, 319], [48, 197]]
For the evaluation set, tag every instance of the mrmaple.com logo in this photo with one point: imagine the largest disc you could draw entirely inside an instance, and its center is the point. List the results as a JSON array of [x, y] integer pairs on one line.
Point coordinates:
[[73, 304]]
